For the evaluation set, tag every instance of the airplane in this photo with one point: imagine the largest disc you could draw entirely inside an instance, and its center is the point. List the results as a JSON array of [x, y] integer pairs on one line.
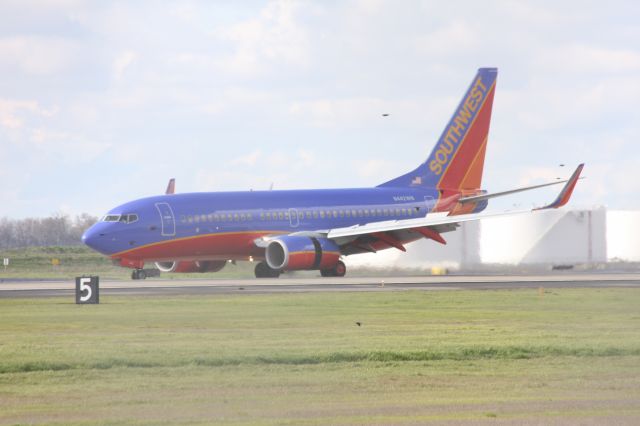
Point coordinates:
[[288, 230]]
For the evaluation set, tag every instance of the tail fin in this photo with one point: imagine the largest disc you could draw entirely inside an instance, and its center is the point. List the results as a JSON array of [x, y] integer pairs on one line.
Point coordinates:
[[457, 160]]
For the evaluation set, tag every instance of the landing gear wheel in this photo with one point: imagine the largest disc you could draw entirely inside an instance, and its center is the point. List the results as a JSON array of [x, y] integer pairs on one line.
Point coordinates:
[[264, 271], [138, 274], [337, 271]]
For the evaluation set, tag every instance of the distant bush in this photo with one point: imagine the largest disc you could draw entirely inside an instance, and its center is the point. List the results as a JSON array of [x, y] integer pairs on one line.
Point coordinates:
[[57, 230]]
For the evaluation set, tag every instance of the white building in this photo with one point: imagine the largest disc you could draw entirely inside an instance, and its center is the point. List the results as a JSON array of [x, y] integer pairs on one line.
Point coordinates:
[[623, 235], [547, 237]]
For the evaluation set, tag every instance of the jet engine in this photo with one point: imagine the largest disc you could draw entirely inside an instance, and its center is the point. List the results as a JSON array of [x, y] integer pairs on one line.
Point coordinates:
[[191, 266], [292, 252]]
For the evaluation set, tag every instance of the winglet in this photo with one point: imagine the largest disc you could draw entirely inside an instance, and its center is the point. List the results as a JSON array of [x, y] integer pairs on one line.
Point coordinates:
[[567, 190], [171, 187]]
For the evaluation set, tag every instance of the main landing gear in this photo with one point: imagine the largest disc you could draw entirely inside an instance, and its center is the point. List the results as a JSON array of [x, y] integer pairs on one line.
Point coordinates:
[[138, 274], [264, 271], [337, 271]]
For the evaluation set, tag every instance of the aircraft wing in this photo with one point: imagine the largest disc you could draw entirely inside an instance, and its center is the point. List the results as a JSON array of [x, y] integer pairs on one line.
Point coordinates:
[[396, 232]]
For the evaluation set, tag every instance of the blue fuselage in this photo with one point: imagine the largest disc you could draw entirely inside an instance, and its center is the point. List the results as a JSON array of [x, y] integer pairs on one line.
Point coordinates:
[[131, 228]]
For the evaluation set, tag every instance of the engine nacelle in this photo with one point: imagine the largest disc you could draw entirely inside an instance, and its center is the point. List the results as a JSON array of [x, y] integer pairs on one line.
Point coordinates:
[[291, 252], [191, 266]]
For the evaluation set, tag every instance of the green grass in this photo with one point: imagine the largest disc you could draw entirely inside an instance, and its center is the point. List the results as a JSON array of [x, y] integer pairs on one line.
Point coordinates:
[[36, 263], [571, 356]]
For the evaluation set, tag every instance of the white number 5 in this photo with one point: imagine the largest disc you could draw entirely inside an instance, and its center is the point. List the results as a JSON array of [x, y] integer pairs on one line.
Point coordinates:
[[84, 287]]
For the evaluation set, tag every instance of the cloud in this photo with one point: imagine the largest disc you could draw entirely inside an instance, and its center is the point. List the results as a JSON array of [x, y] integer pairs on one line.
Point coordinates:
[[272, 38], [65, 147], [449, 40], [257, 170], [582, 58], [13, 112], [36, 54], [339, 112], [375, 168], [248, 160], [122, 62]]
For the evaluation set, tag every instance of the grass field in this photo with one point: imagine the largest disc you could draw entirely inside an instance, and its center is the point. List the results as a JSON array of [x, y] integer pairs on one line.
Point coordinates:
[[73, 261], [569, 356]]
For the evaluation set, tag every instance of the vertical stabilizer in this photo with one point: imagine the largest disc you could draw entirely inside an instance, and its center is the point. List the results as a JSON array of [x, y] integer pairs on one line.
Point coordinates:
[[457, 160]]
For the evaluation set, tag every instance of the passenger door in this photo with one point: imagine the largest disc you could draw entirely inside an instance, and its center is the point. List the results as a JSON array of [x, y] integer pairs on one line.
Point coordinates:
[[167, 219]]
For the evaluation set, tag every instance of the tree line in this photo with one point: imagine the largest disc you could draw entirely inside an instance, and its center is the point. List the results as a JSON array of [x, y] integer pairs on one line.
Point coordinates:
[[57, 230]]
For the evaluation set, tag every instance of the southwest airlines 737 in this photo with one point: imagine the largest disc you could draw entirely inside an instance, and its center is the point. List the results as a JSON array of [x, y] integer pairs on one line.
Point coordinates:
[[313, 229]]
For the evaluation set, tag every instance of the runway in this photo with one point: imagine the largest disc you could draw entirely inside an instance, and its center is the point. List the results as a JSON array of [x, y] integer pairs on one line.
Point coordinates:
[[177, 287]]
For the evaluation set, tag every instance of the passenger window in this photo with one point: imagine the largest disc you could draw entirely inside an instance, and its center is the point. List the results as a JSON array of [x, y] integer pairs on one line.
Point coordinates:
[[280, 215], [229, 217], [342, 213], [348, 213], [308, 215], [261, 216], [321, 214], [249, 216], [366, 213], [243, 217], [386, 212], [286, 215], [268, 215], [236, 217], [183, 218], [315, 214]]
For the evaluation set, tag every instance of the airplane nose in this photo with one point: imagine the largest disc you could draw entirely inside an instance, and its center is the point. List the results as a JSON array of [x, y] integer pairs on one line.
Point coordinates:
[[94, 238], [89, 237]]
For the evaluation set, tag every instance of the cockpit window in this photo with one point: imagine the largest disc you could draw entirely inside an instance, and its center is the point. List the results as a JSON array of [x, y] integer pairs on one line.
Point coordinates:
[[129, 218], [124, 218]]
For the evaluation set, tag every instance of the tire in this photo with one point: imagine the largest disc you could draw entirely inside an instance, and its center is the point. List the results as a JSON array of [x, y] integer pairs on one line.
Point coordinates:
[[262, 270], [138, 274], [326, 272], [337, 271]]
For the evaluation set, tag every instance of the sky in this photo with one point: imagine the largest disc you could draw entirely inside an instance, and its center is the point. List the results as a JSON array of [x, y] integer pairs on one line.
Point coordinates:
[[103, 102]]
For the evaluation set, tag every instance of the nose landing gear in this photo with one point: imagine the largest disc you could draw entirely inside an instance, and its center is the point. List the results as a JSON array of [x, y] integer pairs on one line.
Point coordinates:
[[138, 274]]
